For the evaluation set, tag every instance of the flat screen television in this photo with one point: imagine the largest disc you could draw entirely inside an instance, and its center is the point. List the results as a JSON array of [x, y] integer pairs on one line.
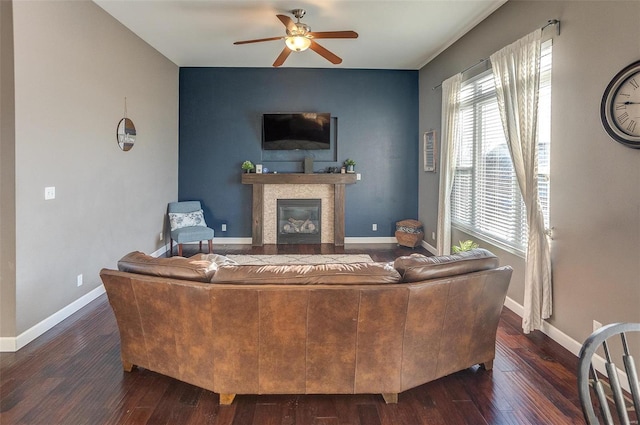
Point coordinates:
[[296, 131]]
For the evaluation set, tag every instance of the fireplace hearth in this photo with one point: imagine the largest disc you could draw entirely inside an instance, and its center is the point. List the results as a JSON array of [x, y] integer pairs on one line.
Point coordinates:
[[299, 221]]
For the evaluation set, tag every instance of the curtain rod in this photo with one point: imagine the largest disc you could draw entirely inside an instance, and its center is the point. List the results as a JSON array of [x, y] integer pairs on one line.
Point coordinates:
[[549, 23]]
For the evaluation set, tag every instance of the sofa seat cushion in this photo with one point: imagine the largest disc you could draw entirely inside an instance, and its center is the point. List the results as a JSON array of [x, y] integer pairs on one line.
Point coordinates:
[[195, 268], [317, 274], [417, 267]]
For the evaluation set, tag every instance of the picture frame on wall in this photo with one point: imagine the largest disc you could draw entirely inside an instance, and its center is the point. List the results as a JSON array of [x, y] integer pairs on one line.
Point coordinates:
[[429, 151]]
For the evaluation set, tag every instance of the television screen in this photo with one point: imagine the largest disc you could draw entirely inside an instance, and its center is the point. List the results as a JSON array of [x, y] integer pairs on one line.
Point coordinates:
[[296, 131]]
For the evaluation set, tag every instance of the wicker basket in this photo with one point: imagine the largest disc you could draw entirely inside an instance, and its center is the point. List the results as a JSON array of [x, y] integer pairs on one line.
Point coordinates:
[[409, 233]]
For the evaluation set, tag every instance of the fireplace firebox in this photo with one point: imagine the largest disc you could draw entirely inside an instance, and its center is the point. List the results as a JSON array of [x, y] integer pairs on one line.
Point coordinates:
[[299, 221]]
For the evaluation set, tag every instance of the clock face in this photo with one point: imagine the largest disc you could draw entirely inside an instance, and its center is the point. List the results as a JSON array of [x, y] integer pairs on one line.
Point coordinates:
[[620, 108]]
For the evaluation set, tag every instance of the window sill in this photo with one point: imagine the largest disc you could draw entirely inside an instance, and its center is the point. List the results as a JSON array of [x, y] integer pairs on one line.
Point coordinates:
[[486, 239]]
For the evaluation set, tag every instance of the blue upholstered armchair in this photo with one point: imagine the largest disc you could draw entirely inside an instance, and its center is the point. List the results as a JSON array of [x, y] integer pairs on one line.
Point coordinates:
[[187, 225]]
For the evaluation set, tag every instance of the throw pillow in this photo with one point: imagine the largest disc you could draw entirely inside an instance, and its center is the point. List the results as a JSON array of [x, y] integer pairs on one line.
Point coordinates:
[[190, 219]]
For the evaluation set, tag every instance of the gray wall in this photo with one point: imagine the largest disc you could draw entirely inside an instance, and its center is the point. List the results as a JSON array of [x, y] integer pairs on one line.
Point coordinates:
[[7, 175], [74, 65], [595, 186]]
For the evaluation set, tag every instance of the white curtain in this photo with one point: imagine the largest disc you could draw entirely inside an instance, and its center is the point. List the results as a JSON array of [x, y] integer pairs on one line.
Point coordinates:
[[448, 149], [516, 70]]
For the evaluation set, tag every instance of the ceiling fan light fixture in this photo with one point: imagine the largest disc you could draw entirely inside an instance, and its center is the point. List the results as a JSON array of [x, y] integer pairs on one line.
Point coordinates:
[[297, 43]]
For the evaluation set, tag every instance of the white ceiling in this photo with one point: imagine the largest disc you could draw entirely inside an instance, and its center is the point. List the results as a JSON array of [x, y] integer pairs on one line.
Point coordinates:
[[400, 34]]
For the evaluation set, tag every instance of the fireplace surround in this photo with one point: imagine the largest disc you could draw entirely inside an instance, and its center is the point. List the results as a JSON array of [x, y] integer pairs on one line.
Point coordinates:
[[331, 188]]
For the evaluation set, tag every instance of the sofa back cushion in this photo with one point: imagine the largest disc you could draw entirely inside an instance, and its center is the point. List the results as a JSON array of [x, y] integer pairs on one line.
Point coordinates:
[[417, 267], [195, 268], [327, 274]]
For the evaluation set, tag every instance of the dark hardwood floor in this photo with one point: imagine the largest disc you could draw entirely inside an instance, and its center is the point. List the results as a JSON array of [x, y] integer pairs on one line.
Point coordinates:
[[73, 375]]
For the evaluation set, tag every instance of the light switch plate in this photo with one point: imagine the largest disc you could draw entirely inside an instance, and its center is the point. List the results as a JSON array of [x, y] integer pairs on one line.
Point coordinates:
[[49, 193]]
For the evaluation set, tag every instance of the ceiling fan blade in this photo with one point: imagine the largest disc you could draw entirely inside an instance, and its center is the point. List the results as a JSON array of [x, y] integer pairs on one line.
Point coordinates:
[[325, 53], [288, 22], [282, 57], [258, 40], [334, 34]]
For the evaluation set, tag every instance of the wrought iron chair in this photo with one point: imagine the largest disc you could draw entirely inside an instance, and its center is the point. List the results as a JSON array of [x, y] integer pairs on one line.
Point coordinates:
[[588, 377]]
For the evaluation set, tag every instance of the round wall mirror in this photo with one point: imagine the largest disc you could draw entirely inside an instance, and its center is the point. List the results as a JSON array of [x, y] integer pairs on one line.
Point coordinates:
[[126, 134]]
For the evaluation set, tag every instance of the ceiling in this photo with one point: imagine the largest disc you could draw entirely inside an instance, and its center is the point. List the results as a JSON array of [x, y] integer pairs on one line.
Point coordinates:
[[400, 34]]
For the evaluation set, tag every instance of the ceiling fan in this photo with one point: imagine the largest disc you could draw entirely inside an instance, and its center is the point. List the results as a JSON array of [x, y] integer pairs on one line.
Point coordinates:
[[300, 38]]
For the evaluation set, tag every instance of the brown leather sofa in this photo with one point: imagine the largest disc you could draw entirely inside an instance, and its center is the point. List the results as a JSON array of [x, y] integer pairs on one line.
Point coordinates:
[[325, 329]]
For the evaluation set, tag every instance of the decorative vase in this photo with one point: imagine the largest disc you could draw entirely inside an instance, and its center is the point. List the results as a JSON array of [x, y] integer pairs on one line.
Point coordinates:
[[350, 169]]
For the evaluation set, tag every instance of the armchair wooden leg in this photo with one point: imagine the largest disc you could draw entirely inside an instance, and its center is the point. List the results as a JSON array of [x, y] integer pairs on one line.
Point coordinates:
[[171, 248], [180, 249], [227, 399], [126, 366], [210, 246], [488, 365], [200, 249]]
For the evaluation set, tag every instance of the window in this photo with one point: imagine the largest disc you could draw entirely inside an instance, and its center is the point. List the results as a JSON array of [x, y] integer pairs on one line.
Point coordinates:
[[486, 199]]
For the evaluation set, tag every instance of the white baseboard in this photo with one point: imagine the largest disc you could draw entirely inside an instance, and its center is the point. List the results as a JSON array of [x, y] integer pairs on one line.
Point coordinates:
[[8, 345], [14, 344], [430, 248], [160, 251], [568, 343], [390, 239]]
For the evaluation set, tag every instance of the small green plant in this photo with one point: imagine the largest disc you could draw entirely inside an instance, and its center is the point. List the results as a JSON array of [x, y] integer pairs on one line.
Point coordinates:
[[464, 246], [349, 162], [247, 166]]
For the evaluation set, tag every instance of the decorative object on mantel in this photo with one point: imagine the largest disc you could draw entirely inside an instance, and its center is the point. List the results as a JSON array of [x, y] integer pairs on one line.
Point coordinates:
[[258, 168], [350, 164], [308, 165], [126, 131], [409, 233], [429, 150], [247, 166]]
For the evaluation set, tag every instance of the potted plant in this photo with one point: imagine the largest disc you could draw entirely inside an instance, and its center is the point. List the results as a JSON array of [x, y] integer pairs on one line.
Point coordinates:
[[467, 245], [350, 163], [247, 166]]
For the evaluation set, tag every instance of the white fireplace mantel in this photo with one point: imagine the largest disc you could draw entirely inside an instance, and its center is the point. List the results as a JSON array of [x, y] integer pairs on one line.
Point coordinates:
[[258, 181]]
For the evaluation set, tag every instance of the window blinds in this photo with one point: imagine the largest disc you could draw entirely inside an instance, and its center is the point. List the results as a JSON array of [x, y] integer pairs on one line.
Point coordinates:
[[486, 199]]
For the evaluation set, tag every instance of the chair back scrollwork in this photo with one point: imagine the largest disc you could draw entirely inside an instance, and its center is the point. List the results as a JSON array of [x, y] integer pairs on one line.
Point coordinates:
[[588, 377]]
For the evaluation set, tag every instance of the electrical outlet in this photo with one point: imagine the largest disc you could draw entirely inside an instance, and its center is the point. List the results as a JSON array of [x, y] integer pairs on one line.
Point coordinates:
[[596, 325], [433, 236], [79, 280], [49, 193], [374, 227], [358, 176], [224, 227]]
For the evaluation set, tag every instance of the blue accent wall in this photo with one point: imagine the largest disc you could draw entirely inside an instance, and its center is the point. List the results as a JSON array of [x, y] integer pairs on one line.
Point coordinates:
[[376, 115]]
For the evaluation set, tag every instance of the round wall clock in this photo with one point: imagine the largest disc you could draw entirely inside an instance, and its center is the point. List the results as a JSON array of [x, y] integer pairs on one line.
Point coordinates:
[[620, 107]]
